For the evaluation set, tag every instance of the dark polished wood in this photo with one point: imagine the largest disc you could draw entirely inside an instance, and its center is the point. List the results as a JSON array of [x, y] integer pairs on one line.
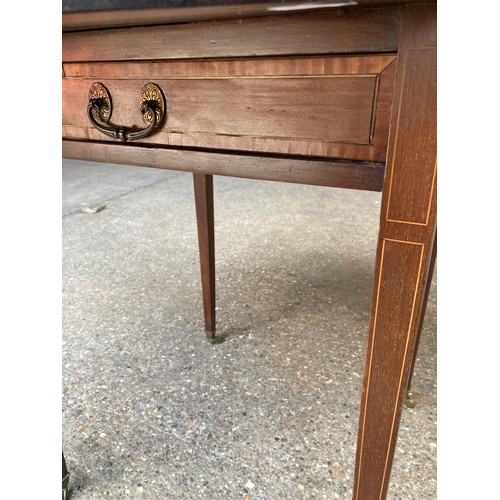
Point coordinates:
[[342, 98], [315, 171], [104, 7], [428, 282], [340, 32], [96, 14], [204, 202], [406, 237], [335, 107]]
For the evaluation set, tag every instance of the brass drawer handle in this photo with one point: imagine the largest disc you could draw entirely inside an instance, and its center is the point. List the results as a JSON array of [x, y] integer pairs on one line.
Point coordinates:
[[151, 102]]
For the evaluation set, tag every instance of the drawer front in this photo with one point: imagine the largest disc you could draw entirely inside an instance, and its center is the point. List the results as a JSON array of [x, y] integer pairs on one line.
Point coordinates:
[[335, 106]]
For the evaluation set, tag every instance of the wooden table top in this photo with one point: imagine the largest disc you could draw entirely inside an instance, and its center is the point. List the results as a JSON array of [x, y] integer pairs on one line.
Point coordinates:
[[95, 14]]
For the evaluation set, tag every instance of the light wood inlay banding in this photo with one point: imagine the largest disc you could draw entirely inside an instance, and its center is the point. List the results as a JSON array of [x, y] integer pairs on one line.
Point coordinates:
[[314, 106], [388, 350], [414, 162]]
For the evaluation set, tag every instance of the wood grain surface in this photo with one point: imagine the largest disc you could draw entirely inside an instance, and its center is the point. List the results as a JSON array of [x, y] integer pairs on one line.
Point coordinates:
[[335, 173], [404, 252], [204, 201], [332, 32], [318, 106], [343, 98]]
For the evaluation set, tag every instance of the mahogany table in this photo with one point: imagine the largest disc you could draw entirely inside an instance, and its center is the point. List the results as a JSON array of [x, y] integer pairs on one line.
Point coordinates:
[[340, 95]]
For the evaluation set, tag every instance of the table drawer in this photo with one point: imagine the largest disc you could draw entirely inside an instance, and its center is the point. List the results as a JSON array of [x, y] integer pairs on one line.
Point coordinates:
[[332, 106]]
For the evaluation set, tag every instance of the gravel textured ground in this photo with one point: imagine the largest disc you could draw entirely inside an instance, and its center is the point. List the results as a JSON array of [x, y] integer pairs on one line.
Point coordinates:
[[153, 411]]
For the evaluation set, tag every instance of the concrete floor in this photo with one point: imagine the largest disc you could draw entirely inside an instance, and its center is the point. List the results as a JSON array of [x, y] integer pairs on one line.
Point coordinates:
[[153, 411]]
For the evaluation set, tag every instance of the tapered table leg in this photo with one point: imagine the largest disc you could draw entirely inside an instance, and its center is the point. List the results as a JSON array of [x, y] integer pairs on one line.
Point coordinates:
[[409, 401], [65, 479], [406, 237], [204, 201]]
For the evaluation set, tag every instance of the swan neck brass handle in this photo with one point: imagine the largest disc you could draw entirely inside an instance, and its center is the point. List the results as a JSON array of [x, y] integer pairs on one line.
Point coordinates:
[[99, 109]]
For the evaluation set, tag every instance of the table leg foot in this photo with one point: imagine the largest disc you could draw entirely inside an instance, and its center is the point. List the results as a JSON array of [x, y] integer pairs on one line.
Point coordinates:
[[65, 490], [410, 400], [65, 480], [212, 338]]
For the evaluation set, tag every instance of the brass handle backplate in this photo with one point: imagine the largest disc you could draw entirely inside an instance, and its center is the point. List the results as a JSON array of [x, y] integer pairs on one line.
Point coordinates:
[[151, 102]]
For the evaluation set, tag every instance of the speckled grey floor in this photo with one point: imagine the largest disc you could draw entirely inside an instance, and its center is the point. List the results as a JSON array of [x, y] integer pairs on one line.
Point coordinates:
[[153, 411]]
